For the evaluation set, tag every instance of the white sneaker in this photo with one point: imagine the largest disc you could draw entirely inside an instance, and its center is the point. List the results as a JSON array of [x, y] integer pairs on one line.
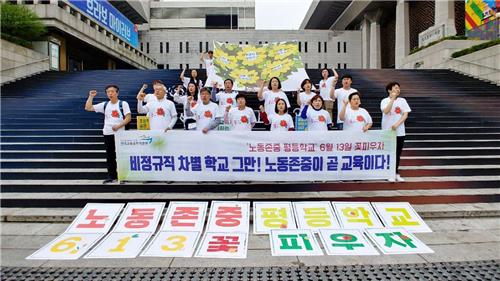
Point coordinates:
[[391, 180], [399, 178]]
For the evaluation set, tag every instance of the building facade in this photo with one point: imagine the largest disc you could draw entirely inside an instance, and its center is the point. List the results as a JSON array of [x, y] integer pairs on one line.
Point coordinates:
[[88, 34], [390, 29], [179, 31]]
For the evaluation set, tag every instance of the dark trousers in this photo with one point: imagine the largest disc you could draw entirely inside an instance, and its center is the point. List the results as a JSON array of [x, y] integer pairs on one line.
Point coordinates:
[[400, 142], [109, 142]]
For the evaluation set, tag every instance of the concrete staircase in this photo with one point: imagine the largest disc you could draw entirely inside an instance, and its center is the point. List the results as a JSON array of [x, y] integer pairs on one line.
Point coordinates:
[[52, 151]]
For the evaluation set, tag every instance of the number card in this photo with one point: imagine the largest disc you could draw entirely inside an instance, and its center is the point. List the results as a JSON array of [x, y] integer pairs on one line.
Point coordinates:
[[123, 245], [294, 242], [344, 242], [397, 241], [223, 245], [400, 214], [95, 218], [356, 215], [272, 215], [89, 226], [185, 216], [229, 216], [140, 217], [67, 246], [315, 215], [173, 244], [131, 233]]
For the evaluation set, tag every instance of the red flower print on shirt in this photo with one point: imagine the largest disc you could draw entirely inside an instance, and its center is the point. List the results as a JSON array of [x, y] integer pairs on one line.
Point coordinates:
[[323, 85], [229, 101], [115, 114], [160, 112], [321, 118], [360, 118], [193, 104], [283, 123], [208, 114], [244, 119], [398, 110]]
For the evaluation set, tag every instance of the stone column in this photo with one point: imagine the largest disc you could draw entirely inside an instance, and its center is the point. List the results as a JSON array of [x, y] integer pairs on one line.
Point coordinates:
[[365, 43], [375, 54], [402, 32], [444, 13]]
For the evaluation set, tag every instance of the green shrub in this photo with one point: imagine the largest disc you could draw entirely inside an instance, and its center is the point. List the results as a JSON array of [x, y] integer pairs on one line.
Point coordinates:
[[455, 37], [475, 48], [20, 25]]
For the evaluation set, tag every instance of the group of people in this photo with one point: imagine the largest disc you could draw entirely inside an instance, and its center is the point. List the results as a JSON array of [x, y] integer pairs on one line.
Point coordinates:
[[205, 109]]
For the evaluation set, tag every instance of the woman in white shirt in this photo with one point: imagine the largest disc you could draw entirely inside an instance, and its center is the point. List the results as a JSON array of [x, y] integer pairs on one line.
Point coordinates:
[[355, 118], [194, 78], [395, 111], [188, 102], [318, 119], [280, 120], [306, 95], [272, 95]]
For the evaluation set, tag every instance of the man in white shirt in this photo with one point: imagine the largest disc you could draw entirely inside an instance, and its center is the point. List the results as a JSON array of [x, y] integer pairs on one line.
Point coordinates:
[[116, 116], [206, 112], [395, 111], [241, 118], [161, 112], [148, 97], [226, 97], [341, 95]]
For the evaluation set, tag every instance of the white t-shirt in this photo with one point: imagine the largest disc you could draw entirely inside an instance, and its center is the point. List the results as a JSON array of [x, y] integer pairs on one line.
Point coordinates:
[[112, 116], [187, 108], [241, 120], [324, 87], [160, 114], [317, 120], [186, 81], [270, 101], [204, 114], [304, 98], [280, 122], [355, 120], [399, 107], [149, 98], [226, 99], [342, 95], [209, 65]]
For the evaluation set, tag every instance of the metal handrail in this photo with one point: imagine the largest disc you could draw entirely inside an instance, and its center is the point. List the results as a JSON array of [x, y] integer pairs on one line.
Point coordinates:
[[33, 62]]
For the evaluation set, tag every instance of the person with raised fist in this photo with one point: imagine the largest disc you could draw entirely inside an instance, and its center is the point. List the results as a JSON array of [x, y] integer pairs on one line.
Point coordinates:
[[395, 111], [271, 95], [161, 112], [355, 118], [206, 112], [116, 116]]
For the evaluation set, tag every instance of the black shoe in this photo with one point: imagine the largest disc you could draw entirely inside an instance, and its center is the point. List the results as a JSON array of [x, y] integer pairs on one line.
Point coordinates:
[[109, 180]]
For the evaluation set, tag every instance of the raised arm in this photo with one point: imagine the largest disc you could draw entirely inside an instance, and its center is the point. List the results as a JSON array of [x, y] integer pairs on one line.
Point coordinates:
[[202, 57], [260, 93], [141, 91], [89, 103], [182, 74], [342, 112], [140, 107], [388, 107]]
